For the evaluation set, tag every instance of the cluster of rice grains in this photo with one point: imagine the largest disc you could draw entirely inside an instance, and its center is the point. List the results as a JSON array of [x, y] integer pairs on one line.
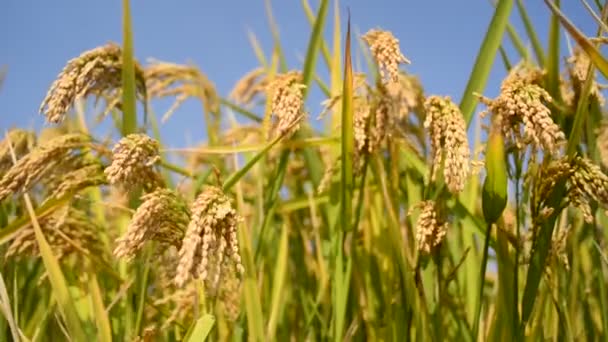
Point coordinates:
[[449, 142], [133, 160], [96, 72], [431, 226], [59, 161], [285, 93], [522, 113], [205, 234], [585, 182]]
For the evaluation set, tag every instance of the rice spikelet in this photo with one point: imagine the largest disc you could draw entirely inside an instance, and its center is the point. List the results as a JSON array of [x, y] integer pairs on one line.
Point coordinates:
[[386, 52], [133, 159], [285, 92], [210, 248], [449, 142], [431, 228], [40, 162], [585, 183], [96, 72], [162, 216], [521, 106]]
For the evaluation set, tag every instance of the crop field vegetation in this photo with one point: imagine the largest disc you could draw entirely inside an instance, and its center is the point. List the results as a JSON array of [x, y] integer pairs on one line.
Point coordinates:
[[403, 216]]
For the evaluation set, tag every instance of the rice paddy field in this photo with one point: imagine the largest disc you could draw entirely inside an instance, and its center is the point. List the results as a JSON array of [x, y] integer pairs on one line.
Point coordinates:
[[404, 216]]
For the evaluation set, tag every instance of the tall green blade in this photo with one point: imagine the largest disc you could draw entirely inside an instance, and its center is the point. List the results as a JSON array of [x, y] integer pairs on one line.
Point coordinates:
[[129, 113], [313, 46], [485, 58], [536, 45], [341, 280]]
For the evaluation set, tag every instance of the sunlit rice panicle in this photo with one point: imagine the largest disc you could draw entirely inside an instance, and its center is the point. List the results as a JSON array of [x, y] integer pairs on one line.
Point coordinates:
[[40, 162], [249, 86], [386, 52], [182, 81], [21, 141], [133, 159], [449, 142], [210, 248], [431, 228], [602, 142], [578, 69], [523, 106], [285, 92], [95, 72], [68, 230], [163, 216], [585, 183]]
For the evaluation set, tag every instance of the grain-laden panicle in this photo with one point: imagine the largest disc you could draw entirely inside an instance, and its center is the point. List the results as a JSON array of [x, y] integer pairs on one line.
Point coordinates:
[[182, 81], [522, 106], [68, 230], [210, 248], [585, 183], [578, 69], [163, 216], [249, 87], [133, 160], [96, 72], [449, 143], [431, 227], [22, 142], [40, 162], [386, 52], [286, 96]]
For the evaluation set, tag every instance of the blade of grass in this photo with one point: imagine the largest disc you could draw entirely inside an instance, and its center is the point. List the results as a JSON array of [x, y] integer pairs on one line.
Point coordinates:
[[552, 63], [129, 114], [257, 49], [274, 29], [314, 44], [485, 58], [278, 283], [201, 329], [246, 113], [251, 293], [536, 45], [5, 307], [311, 20], [341, 287], [237, 175], [104, 332]]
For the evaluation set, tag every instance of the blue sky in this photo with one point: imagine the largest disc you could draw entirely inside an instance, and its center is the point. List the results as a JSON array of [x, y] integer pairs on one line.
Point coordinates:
[[441, 38]]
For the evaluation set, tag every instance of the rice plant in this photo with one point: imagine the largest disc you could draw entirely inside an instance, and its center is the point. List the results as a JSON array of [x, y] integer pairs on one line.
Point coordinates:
[[398, 217]]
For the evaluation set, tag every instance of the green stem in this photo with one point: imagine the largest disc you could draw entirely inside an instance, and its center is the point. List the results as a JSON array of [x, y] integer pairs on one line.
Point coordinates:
[[482, 279]]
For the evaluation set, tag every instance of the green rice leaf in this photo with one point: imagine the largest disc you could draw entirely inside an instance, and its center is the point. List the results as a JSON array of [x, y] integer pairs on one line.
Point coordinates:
[[485, 58], [129, 113], [202, 328]]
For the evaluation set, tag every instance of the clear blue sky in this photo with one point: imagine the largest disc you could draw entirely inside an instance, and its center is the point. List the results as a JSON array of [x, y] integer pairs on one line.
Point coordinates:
[[37, 38]]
